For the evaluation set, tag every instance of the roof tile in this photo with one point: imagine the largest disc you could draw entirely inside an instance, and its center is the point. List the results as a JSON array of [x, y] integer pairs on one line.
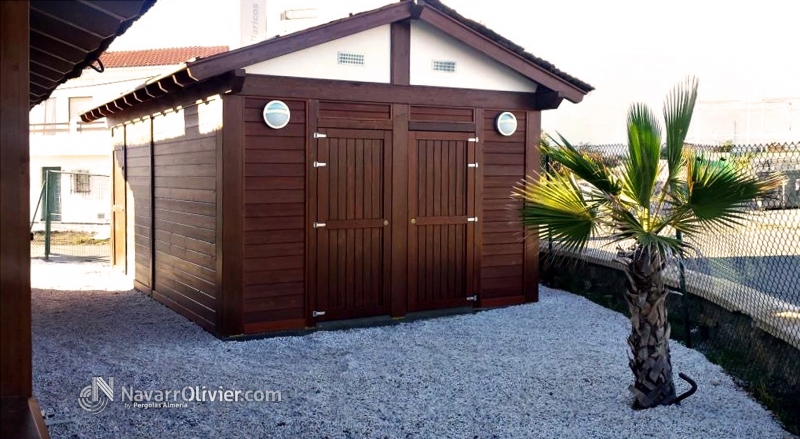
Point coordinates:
[[158, 57]]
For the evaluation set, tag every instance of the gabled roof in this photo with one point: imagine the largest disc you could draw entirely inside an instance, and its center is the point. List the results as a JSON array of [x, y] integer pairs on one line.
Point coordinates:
[[554, 83], [158, 57], [508, 44], [67, 37]]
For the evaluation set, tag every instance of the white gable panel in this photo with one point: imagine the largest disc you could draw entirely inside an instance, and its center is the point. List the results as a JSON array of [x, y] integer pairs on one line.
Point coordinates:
[[322, 62], [474, 70]]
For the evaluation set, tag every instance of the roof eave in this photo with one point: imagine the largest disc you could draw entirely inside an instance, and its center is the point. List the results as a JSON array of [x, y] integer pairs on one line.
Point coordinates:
[[157, 89], [62, 58]]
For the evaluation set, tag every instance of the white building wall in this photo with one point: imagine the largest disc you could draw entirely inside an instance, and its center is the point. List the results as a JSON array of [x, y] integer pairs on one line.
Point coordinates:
[[321, 62], [101, 87], [71, 147], [473, 69], [92, 207]]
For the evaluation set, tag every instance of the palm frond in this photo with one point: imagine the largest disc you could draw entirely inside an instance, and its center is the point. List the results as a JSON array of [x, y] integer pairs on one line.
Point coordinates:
[[554, 203], [718, 191], [644, 150], [678, 111], [583, 166]]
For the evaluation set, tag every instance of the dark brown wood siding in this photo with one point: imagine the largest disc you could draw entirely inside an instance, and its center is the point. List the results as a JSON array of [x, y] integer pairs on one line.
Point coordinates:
[[274, 219], [443, 167], [184, 158], [502, 250]]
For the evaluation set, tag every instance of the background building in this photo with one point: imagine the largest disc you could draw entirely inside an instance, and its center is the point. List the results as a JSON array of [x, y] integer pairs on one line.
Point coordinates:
[[79, 152]]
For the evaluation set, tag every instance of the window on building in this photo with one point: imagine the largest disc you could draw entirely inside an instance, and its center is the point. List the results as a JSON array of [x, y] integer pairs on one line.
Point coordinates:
[[50, 111], [81, 182], [78, 105]]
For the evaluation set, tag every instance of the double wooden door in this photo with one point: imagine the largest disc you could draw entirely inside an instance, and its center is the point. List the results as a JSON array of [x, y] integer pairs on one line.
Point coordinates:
[[350, 261]]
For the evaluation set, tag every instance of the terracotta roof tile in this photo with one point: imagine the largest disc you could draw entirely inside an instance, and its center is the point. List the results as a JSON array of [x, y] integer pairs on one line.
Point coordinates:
[[158, 57]]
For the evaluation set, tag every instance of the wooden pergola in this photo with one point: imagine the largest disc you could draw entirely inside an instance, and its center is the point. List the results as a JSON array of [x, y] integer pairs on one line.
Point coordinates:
[[42, 45]]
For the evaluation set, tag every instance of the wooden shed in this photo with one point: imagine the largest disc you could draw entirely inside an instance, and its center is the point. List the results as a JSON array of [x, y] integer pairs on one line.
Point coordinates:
[[386, 193]]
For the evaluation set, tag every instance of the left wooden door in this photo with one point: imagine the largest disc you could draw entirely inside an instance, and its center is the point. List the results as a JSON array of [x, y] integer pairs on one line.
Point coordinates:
[[351, 225]]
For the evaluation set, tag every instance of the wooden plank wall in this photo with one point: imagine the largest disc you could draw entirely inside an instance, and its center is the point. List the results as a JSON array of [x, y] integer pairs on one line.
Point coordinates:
[[503, 248], [185, 163], [137, 163], [274, 220]]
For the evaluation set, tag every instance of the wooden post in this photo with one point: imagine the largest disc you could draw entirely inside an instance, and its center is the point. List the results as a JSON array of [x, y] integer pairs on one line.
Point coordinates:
[[15, 247], [533, 133]]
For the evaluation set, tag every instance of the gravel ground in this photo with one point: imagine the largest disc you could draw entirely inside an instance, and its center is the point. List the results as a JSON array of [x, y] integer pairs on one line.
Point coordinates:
[[554, 369]]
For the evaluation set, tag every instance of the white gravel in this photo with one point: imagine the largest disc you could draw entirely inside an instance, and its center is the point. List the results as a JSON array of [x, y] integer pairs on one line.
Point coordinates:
[[554, 369]]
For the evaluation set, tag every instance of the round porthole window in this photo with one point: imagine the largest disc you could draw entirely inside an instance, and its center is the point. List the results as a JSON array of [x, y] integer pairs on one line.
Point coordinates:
[[276, 114], [506, 123]]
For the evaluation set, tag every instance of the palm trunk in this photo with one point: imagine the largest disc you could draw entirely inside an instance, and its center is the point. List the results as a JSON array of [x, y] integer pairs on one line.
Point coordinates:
[[650, 330]]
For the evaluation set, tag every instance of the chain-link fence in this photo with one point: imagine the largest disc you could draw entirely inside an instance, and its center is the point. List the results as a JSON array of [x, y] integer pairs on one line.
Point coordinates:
[[71, 217], [742, 301]]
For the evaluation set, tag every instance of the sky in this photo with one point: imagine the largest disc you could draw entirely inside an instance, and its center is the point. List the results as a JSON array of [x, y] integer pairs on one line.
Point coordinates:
[[629, 50]]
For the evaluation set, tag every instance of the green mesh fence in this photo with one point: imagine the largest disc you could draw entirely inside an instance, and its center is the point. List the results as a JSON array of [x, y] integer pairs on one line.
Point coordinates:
[[71, 217]]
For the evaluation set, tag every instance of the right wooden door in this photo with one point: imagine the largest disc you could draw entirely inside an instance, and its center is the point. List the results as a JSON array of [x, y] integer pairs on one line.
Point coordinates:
[[441, 199]]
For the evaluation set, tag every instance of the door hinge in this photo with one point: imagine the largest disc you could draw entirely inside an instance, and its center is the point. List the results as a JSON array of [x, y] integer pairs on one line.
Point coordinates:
[[472, 219], [317, 313], [473, 139], [320, 136], [472, 298], [318, 225], [472, 165], [320, 164]]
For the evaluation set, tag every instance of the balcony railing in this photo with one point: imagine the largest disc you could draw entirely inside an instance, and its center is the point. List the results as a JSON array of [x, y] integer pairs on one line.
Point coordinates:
[[66, 127]]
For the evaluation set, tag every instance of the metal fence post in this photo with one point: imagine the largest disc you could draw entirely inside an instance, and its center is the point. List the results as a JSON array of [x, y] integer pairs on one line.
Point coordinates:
[[47, 207], [687, 325]]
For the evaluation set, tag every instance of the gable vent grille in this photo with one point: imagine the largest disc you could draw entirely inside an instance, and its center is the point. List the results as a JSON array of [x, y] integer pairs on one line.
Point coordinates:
[[444, 66], [353, 59]]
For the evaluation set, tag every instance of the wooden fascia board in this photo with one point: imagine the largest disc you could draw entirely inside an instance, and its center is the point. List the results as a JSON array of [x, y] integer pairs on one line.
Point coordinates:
[[266, 50], [328, 89], [500, 54]]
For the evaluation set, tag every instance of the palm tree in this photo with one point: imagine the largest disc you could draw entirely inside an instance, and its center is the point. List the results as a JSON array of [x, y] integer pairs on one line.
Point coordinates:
[[630, 204]]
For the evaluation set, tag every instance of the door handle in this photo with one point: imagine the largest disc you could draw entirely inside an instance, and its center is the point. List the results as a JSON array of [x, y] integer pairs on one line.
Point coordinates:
[[413, 220]]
